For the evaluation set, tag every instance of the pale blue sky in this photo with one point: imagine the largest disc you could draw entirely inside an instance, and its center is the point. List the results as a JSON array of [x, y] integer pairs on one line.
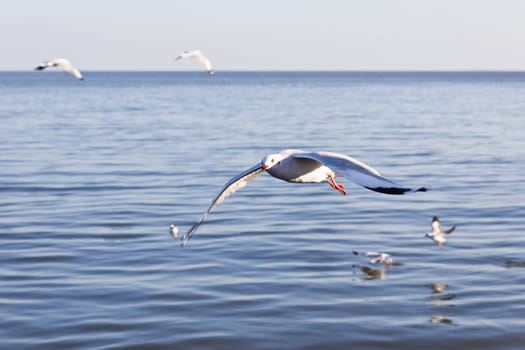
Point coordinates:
[[266, 34]]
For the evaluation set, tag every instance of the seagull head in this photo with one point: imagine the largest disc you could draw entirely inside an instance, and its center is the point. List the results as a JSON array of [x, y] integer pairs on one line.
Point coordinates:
[[271, 160]]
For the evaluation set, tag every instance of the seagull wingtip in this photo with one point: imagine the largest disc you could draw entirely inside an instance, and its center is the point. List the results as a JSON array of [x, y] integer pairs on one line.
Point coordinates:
[[183, 241]]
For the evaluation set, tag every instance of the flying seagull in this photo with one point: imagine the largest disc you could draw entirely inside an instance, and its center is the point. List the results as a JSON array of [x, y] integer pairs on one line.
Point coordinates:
[[437, 235], [62, 63], [198, 55], [300, 166], [174, 230], [377, 257]]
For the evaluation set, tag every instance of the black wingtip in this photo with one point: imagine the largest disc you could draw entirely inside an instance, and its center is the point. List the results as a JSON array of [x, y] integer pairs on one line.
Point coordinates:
[[450, 230], [396, 190], [390, 190]]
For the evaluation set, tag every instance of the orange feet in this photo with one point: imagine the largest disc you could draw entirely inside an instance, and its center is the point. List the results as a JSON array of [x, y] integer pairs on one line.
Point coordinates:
[[335, 185]]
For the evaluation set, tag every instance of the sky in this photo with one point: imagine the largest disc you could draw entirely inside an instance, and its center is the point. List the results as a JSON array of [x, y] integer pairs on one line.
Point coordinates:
[[265, 34]]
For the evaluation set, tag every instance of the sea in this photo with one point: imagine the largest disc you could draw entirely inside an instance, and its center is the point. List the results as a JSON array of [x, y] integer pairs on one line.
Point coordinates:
[[94, 172]]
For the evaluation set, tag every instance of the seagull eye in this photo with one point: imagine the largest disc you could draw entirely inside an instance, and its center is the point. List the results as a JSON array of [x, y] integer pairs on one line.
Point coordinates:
[[272, 160]]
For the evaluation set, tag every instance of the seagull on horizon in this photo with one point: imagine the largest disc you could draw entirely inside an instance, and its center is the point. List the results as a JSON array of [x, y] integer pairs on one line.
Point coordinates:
[[61, 63], [308, 167], [198, 55], [437, 235]]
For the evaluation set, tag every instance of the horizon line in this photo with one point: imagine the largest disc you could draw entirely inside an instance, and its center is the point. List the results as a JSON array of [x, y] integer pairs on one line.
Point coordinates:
[[293, 70]]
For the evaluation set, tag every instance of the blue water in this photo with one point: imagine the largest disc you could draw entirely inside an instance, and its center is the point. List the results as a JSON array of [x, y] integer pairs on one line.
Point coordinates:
[[93, 173]]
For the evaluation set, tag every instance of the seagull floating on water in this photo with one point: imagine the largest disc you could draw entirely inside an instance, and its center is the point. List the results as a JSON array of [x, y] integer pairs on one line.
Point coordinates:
[[377, 257], [308, 167], [437, 235], [62, 63], [198, 55]]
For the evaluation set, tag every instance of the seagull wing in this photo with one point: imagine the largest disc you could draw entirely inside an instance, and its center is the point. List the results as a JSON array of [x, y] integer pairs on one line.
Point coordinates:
[[74, 72], [450, 230], [205, 62], [370, 253], [62, 63], [375, 260], [43, 66], [182, 55], [231, 187], [358, 172], [68, 67]]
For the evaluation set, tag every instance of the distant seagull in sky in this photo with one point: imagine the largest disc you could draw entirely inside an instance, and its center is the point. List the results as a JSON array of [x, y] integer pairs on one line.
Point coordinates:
[[62, 63], [307, 167], [198, 55], [377, 257], [437, 235]]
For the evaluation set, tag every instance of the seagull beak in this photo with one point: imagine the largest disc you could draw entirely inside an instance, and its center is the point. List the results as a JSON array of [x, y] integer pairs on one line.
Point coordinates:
[[265, 166]]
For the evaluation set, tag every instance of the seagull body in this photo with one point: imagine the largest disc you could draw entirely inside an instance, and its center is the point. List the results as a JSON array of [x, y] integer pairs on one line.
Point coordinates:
[[437, 235], [308, 167], [62, 63], [377, 257], [199, 56], [174, 230]]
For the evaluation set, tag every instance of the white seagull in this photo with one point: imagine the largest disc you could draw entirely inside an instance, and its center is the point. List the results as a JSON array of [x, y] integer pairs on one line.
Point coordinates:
[[377, 257], [174, 230], [62, 63], [198, 55], [300, 166], [437, 235]]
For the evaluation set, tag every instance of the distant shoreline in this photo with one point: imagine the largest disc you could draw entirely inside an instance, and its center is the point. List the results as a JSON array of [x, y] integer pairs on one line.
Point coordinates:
[[294, 71]]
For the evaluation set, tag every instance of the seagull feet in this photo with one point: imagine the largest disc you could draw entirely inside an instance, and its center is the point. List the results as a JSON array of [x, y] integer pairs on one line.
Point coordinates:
[[335, 185]]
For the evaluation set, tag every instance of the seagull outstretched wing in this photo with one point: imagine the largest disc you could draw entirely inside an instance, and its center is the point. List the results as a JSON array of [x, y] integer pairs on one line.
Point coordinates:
[[231, 187], [358, 172]]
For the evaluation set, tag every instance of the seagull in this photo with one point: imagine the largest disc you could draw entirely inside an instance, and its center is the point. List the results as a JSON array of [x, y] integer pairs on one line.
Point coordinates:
[[377, 257], [198, 55], [174, 230], [62, 63], [437, 235], [308, 167]]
